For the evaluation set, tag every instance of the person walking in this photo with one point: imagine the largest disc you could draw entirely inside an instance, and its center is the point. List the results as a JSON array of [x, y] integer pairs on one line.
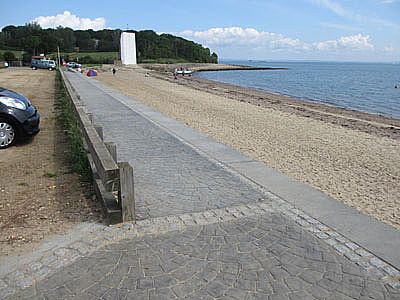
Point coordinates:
[[114, 71]]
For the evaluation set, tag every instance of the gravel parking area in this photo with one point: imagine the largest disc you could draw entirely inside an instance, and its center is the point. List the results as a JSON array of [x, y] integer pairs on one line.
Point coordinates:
[[39, 194]]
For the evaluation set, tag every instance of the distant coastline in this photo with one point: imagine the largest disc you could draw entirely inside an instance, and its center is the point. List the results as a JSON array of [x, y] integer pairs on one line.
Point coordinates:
[[200, 67], [237, 68]]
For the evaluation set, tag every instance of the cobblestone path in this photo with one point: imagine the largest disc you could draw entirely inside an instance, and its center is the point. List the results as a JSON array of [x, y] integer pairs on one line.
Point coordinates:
[[204, 233], [268, 257]]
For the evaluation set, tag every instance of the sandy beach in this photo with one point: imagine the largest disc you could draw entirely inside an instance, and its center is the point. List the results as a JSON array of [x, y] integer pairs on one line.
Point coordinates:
[[353, 157]]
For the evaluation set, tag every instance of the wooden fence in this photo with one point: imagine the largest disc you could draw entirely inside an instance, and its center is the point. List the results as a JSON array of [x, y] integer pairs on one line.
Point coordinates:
[[113, 181]]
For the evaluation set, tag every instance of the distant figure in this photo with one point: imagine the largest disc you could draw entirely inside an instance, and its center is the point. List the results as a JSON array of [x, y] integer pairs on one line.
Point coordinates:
[[395, 86], [114, 71]]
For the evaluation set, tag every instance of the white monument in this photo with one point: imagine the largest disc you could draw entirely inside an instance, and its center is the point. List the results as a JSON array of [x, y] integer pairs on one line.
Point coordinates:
[[128, 48]]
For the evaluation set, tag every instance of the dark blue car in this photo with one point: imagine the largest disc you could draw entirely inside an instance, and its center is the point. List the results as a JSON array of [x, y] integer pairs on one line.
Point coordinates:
[[18, 118]]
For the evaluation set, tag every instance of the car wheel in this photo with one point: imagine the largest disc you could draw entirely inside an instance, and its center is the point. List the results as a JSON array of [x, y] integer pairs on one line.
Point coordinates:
[[33, 68], [8, 133], [50, 69]]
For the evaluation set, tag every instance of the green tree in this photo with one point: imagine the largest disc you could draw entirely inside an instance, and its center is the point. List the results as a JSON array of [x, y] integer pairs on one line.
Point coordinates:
[[32, 43], [65, 39], [214, 58], [9, 56], [26, 57]]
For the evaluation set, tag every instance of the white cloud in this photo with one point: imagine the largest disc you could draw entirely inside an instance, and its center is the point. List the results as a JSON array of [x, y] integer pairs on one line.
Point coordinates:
[[251, 38], [247, 37], [353, 42], [66, 19]]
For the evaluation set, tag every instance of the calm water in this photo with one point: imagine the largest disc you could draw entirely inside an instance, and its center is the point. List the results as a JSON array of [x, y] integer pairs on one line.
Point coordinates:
[[367, 87]]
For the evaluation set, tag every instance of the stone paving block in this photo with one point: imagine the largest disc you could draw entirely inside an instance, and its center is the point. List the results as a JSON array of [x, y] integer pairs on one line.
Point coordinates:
[[115, 294], [41, 273], [364, 264], [319, 292], [216, 289], [322, 235], [161, 294], [341, 248], [82, 247], [138, 295], [164, 281], [352, 246], [333, 234], [59, 293], [341, 239], [377, 262], [34, 266], [97, 290], [300, 296], [234, 293], [331, 242], [392, 272]]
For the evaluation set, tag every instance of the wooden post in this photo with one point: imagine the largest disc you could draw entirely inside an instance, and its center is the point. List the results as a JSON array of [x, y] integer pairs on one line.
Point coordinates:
[[112, 148], [127, 192], [99, 131]]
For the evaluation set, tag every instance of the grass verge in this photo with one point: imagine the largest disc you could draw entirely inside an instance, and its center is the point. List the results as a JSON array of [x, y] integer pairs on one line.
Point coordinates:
[[67, 117]]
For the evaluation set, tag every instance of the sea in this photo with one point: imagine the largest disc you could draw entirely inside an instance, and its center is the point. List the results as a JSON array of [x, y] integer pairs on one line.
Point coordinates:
[[366, 87]]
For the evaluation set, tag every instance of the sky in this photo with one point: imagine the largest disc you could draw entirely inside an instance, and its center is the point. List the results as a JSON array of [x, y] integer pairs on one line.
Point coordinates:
[[332, 30]]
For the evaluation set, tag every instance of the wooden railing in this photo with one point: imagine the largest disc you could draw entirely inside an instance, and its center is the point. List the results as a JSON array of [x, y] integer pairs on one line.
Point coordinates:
[[113, 181]]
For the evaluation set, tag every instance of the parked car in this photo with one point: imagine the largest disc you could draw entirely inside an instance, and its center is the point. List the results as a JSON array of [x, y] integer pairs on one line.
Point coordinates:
[[18, 118], [73, 65], [43, 64]]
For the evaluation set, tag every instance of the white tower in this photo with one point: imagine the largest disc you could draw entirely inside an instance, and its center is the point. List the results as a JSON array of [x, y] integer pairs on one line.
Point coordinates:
[[128, 48]]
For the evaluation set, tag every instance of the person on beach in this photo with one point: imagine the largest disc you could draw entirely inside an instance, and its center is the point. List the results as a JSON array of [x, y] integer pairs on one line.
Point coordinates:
[[114, 71]]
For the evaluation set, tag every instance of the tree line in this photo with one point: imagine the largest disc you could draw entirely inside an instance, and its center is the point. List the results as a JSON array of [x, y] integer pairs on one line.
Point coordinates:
[[34, 40]]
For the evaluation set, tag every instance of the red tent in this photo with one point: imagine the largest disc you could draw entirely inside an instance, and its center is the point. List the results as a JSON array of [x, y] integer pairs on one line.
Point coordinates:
[[91, 73]]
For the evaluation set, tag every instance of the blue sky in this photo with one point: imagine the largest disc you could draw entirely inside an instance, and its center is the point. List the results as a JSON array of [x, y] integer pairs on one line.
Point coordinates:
[[341, 30]]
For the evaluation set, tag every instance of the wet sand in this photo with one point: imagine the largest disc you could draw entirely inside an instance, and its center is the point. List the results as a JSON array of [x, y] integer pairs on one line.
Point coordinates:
[[353, 157]]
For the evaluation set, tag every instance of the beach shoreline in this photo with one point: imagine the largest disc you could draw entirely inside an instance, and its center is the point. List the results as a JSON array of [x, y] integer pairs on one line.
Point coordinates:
[[366, 122], [351, 156]]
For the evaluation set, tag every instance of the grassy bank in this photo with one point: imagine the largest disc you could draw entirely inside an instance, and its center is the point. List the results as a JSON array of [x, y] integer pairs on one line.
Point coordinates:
[[67, 117], [89, 57]]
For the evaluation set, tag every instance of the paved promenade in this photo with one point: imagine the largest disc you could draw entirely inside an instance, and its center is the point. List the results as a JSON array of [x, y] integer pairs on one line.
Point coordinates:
[[207, 228], [171, 178]]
